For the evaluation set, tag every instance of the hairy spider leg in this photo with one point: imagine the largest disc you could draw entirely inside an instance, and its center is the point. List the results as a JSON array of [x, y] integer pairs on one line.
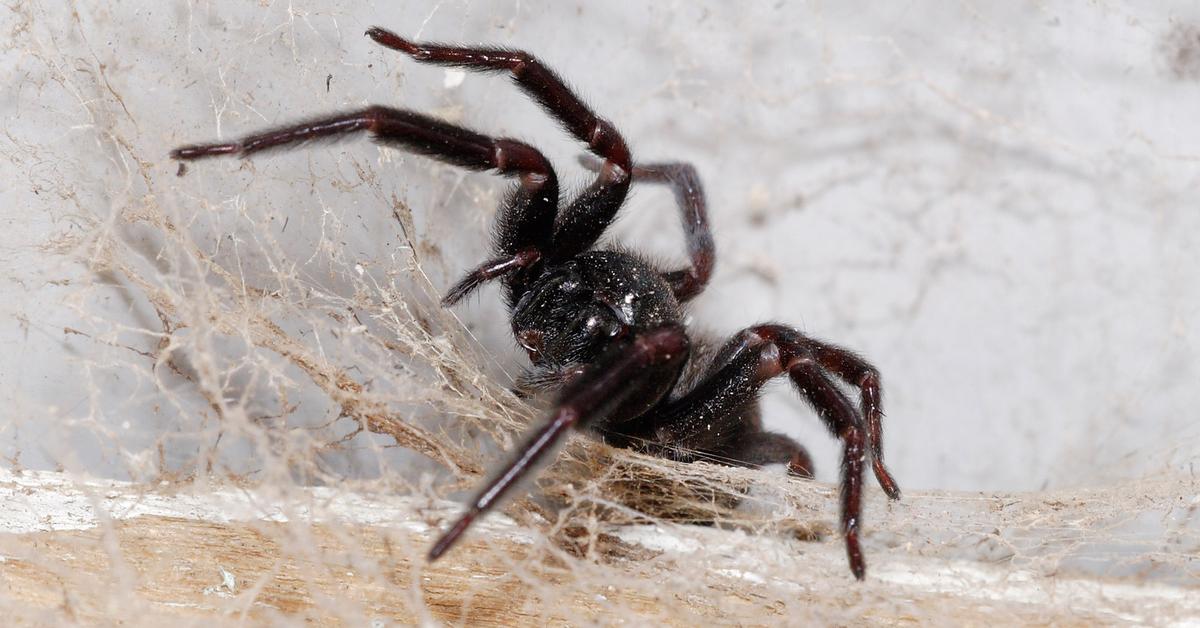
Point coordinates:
[[857, 372], [715, 417], [628, 373], [689, 193], [535, 200], [840, 417], [501, 266], [759, 448], [693, 208], [685, 183], [707, 418], [847, 365], [583, 221]]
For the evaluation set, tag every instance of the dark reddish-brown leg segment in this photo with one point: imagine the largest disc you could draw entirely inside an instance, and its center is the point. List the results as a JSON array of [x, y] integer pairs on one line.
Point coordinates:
[[689, 195], [709, 417], [406, 129], [623, 374], [582, 222], [762, 448], [856, 371], [839, 415], [693, 208], [490, 270], [529, 215]]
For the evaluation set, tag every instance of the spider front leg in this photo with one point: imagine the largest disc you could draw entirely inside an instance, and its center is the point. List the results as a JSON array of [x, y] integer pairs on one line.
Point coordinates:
[[528, 216], [711, 416], [628, 378], [583, 220]]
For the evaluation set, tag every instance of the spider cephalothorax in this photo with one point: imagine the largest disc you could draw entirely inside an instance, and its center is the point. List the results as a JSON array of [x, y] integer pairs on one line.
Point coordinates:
[[604, 327], [577, 309]]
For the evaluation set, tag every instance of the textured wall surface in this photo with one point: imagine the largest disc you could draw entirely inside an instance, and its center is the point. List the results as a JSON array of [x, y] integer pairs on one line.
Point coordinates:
[[994, 204]]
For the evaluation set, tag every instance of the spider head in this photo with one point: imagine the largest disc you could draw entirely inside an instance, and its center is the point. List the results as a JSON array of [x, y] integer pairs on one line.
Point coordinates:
[[575, 310]]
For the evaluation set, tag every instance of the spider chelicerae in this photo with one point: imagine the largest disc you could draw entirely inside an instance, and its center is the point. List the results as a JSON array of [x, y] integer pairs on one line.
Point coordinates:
[[604, 327]]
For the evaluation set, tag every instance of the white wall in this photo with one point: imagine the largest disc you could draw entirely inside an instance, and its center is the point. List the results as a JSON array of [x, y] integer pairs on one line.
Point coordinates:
[[996, 205]]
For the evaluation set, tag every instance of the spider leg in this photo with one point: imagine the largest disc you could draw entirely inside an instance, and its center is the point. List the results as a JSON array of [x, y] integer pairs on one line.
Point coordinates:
[[847, 365], [758, 448], [582, 222], [856, 371], [489, 270], [528, 215], [839, 415], [626, 379], [712, 415], [693, 208]]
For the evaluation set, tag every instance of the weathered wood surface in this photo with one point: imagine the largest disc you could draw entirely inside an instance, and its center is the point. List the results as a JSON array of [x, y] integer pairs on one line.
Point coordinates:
[[145, 566]]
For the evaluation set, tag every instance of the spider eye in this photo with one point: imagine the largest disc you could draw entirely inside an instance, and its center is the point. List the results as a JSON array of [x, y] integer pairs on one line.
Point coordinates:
[[593, 325], [598, 323]]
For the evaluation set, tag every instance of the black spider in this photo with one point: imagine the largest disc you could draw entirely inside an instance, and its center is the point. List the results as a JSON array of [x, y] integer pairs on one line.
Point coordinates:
[[604, 326]]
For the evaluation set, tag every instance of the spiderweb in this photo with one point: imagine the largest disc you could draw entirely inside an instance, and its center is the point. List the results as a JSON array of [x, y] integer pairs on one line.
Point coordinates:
[[232, 393]]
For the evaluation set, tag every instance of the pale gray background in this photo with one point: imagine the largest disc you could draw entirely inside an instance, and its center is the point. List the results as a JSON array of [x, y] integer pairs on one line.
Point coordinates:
[[997, 204]]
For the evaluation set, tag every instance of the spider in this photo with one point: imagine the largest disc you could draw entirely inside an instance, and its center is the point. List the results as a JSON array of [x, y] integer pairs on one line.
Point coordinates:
[[603, 327]]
